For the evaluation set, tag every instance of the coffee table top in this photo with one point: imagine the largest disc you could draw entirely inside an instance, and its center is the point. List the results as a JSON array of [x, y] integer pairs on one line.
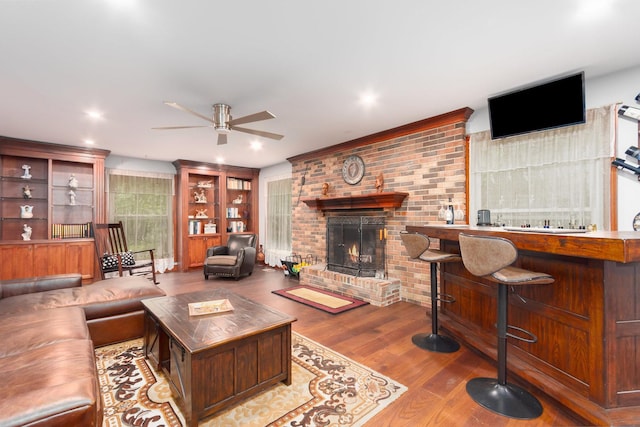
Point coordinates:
[[201, 332]]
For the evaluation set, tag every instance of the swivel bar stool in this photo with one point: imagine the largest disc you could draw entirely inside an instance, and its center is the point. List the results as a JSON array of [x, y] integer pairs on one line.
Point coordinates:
[[417, 246], [491, 258]]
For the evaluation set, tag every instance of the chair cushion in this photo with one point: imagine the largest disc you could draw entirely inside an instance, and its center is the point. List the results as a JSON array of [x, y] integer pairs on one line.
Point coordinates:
[[110, 262], [222, 260], [518, 276]]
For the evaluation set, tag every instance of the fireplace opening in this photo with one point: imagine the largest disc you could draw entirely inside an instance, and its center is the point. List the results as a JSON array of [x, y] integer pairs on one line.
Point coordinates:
[[356, 245]]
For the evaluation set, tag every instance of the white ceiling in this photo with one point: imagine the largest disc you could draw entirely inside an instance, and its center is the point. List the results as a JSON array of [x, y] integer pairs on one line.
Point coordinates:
[[306, 62]]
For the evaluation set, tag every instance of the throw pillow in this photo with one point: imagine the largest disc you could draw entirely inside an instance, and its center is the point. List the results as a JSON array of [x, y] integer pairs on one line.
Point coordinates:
[[109, 262], [127, 258]]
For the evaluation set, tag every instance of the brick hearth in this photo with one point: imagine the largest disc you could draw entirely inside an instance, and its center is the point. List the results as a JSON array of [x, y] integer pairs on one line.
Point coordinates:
[[378, 292]]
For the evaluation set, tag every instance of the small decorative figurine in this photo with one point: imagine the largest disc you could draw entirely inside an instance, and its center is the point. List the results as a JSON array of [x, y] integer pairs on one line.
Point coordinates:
[[200, 197], [325, 189], [26, 174], [26, 211], [73, 181], [204, 184], [72, 197], [380, 183], [26, 192], [201, 213], [27, 232], [238, 200]]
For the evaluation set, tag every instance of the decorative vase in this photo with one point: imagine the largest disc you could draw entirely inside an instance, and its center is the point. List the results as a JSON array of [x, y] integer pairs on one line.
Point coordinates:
[[260, 255]]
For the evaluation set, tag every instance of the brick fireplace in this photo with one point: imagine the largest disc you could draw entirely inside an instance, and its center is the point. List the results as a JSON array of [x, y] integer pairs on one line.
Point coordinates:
[[423, 165]]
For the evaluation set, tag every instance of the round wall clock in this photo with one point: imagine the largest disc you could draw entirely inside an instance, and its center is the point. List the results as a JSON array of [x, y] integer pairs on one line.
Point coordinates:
[[353, 170], [636, 222]]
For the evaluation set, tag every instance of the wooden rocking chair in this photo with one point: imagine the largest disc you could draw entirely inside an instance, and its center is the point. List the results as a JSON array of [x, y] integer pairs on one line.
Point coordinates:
[[114, 255]]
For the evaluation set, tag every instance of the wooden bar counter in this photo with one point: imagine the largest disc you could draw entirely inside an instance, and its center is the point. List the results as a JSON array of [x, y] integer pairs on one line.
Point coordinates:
[[588, 322]]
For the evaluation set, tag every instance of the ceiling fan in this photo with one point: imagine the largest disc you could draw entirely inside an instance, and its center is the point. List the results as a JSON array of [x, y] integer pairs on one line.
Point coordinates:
[[223, 123]]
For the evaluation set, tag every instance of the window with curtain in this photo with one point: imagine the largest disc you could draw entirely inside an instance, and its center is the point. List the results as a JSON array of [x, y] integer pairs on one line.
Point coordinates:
[[143, 202], [278, 236], [561, 175]]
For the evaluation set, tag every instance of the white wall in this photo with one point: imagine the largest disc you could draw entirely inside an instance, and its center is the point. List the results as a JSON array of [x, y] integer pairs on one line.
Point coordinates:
[[620, 87]]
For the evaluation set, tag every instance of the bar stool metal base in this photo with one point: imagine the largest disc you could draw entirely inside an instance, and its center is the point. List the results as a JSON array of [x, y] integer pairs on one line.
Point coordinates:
[[504, 399], [436, 343]]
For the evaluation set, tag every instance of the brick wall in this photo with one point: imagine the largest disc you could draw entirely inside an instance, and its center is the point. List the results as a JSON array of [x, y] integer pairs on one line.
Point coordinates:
[[425, 159]]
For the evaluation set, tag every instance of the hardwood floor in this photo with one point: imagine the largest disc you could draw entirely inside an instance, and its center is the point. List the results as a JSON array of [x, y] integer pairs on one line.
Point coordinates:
[[380, 338]]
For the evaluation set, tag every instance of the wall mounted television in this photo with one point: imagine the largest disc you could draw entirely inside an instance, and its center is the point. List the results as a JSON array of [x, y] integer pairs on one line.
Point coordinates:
[[543, 106]]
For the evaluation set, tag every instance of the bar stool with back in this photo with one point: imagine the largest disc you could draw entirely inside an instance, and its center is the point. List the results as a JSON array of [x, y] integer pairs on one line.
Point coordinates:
[[491, 258], [417, 245]]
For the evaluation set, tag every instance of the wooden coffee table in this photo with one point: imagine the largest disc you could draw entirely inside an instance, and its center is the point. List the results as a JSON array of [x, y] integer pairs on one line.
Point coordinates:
[[213, 361]]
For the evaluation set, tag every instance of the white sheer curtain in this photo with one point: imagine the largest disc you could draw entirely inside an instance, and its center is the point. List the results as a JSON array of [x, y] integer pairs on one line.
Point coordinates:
[[560, 175], [143, 201], [278, 237]]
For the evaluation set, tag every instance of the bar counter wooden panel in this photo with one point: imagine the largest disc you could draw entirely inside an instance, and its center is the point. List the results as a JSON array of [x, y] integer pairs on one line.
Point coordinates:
[[588, 321]]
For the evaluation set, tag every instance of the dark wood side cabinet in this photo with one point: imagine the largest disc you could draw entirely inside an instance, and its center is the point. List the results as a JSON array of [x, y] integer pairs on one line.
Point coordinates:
[[214, 201], [587, 322], [49, 194]]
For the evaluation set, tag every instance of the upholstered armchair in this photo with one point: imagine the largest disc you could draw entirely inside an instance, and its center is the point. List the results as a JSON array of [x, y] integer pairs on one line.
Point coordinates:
[[236, 259]]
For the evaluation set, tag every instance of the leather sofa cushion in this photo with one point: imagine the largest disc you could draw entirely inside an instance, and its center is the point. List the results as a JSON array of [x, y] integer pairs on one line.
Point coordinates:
[[53, 385], [20, 332], [9, 288], [222, 260], [100, 299]]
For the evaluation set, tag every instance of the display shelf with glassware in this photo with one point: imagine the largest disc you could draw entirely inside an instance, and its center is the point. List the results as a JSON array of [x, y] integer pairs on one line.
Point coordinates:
[[24, 197], [49, 193], [206, 192]]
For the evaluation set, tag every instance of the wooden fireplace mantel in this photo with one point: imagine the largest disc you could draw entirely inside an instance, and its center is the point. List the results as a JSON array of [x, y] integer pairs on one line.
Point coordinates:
[[386, 200]]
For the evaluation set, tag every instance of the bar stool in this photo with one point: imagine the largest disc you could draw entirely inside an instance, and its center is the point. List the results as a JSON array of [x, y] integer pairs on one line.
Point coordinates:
[[491, 258], [417, 245]]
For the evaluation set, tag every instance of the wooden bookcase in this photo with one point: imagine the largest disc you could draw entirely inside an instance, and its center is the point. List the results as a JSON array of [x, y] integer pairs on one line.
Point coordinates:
[[214, 201], [49, 195]]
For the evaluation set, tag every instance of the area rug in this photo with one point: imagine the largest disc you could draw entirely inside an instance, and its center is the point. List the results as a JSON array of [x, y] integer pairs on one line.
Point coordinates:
[[320, 299], [327, 389]]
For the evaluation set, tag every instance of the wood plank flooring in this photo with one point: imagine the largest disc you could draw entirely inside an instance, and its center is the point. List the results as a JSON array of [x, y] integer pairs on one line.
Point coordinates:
[[380, 338]]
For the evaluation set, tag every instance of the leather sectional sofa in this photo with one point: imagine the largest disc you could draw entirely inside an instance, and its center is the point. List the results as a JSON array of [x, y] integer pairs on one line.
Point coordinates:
[[49, 327]]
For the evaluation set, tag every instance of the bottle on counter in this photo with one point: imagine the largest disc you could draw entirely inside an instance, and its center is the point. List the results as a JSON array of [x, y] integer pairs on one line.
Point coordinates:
[[450, 213]]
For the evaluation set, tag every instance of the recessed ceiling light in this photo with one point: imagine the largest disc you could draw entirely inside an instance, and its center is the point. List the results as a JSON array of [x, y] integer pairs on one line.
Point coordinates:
[[219, 160], [94, 114], [368, 99], [256, 145], [89, 141]]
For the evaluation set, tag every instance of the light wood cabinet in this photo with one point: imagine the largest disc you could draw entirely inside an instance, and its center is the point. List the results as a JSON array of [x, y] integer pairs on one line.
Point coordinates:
[[49, 196], [214, 201]]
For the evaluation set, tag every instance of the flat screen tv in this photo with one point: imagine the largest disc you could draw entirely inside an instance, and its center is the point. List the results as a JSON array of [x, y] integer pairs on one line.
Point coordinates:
[[543, 106]]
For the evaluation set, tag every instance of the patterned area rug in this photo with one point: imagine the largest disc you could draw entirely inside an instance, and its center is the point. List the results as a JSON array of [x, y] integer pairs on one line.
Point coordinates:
[[328, 389]]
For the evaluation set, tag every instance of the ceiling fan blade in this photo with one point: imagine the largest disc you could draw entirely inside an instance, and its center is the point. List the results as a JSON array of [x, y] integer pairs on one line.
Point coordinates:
[[187, 110], [263, 115], [179, 127], [259, 133], [222, 138]]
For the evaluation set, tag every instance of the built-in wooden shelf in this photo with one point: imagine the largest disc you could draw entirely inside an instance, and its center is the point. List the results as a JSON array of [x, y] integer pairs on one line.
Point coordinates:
[[387, 200]]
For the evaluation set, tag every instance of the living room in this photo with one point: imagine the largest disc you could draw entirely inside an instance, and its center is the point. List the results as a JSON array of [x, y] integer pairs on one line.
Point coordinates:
[[388, 138]]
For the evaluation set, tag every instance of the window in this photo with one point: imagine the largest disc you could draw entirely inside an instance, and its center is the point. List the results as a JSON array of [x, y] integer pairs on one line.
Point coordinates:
[[143, 202], [278, 238], [562, 175]]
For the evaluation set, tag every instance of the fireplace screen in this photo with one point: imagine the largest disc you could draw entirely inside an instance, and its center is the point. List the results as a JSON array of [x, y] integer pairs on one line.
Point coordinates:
[[356, 245]]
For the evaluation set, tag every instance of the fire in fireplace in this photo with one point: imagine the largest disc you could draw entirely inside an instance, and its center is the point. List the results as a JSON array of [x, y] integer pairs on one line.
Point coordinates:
[[356, 245]]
